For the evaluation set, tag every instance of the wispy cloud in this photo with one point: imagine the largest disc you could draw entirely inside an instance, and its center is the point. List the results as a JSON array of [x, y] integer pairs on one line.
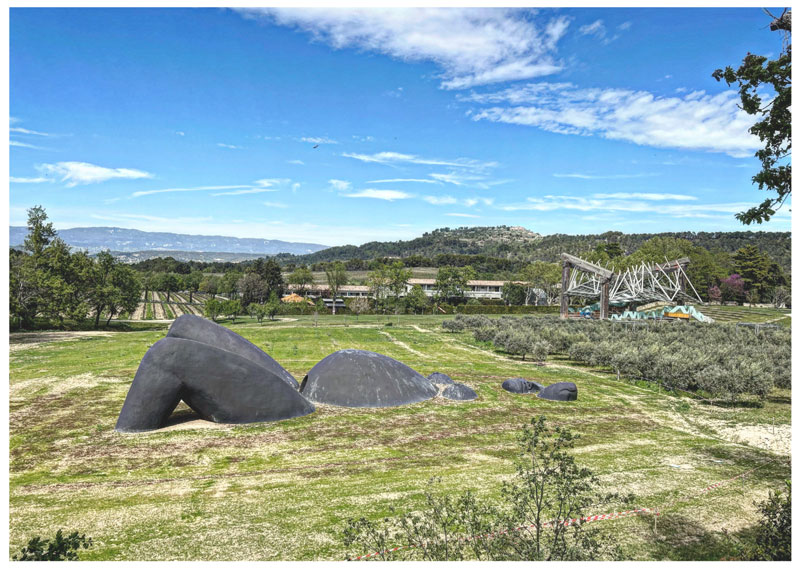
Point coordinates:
[[404, 180], [607, 176], [472, 46], [463, 215], [271, 182], [384, 194], [318, 140], [81, 173], [598, 30], [629, 205], [229, 146], [19, 144], [182, 189], [13, 179], [339, 184], [19, 130], [245, 191], [399, 158], [297, 162], [696, 121], [276, 204], [647, 196], [440, 200]]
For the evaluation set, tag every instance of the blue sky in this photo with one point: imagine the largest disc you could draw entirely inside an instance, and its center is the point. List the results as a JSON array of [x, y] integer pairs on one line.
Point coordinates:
[[345, 126]]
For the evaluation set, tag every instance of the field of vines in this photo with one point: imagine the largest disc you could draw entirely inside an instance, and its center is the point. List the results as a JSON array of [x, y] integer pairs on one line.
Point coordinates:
[[155, 307], [717, 360]]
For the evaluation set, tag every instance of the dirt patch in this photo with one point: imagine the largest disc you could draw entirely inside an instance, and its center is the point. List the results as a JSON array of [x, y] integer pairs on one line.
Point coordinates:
[[20, 341]]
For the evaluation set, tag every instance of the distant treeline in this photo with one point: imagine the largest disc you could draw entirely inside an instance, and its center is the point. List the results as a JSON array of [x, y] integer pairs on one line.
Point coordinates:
[[507, 248]]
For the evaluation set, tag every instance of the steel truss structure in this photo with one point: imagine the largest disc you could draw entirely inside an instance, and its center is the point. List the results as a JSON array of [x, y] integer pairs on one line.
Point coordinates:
[[647, 282]]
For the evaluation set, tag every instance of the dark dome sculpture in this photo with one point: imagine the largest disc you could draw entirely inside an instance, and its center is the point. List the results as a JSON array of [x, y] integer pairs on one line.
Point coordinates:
[[440, 379], [560, 391], [356, 378], [205, 331], [522, 386], [223, 380], [458, 391]]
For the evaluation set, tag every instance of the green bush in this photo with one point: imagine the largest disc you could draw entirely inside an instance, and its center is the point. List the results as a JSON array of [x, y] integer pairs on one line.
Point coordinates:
[[59, 548]]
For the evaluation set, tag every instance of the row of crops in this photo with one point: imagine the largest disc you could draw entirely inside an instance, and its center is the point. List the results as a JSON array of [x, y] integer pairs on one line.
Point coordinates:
[[154, 306], [718, 360]]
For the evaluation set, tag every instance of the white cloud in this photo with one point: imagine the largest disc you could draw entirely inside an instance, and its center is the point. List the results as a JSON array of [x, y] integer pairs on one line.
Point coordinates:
[[624, 26], [80, 173], [384, 194], [295, 186], [245, 191], [276, 204], [440, 200], [271, 182], [179, 133], [297, 162], [26, 131], [647, 196], [463, 215], [472, 46], [229, 146], [397, 157], [13, 179], [630, 205], [339, 184], [596, 28], [696, 121], [606, 176], [318, 140], [456, 178], [404, 180], [19, 144], [181, 189]]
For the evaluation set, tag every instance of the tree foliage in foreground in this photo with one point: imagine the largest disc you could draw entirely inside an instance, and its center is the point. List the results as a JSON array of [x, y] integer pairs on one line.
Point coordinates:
[[59, 548], [548, 490], [774, 128]]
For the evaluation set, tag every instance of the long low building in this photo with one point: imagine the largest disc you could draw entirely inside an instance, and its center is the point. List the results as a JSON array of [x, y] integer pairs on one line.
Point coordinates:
[[480, 289]]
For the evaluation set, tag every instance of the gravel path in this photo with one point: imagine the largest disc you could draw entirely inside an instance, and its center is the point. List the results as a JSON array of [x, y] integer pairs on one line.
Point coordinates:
[[138, 314]]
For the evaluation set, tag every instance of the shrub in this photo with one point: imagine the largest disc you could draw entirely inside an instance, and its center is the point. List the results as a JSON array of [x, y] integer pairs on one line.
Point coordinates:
[[59, 548], [773, 540]]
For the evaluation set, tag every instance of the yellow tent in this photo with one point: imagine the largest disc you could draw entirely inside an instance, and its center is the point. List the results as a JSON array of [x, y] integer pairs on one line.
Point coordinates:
[[293, 298]]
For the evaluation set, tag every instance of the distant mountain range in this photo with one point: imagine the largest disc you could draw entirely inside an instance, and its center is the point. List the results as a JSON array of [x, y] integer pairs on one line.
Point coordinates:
[[96, 239]]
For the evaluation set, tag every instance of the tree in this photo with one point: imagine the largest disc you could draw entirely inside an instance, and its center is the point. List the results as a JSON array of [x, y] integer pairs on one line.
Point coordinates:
[[398, 276], [753, 266], [232, 308], [252, 288], [544, 276], [773, 538], [228, 283], [212, 308], [127, 291], [715, 294], [452, 282], [775, 127], [780, 296], [102, 289], [210, 284], [60, 548], [358, 306], [732, 288], [273, 306], [192, 282], [416, 299], [337, 277], [301, 279], [39, 233], [513, 294], [378, 282], [169, 282]]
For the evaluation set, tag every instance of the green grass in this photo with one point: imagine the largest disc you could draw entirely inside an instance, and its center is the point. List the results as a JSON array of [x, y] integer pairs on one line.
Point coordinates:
[[744, 313], [282, 491], [168, 314]]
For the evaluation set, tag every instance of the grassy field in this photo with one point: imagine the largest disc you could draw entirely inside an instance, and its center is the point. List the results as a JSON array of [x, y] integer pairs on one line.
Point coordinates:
[[282, 491]]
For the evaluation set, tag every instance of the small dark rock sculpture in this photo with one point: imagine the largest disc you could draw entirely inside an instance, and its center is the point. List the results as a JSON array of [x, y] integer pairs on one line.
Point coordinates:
[[560, 391], [356, 378], [458, 391], [440, 379], [522, 386], [220, 375]]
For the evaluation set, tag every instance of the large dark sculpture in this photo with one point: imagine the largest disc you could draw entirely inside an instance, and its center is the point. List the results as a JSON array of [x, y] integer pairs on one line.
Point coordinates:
[[205, 331], [560, 391], [357, 378], [458, 391], [522, 386], [223, 378]]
